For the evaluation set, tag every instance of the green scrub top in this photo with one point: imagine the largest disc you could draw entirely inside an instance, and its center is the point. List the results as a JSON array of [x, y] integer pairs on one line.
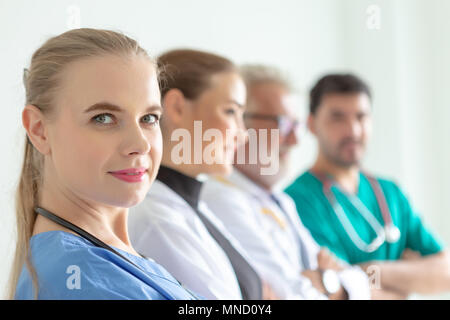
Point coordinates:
[[319, 217]]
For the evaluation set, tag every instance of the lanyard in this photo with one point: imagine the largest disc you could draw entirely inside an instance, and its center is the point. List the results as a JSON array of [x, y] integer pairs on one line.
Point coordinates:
[[302, 246], [101, 244], [389, 232]]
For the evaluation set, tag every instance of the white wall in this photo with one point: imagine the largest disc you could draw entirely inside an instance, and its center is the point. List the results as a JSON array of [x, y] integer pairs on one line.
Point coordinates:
[[406, 62]]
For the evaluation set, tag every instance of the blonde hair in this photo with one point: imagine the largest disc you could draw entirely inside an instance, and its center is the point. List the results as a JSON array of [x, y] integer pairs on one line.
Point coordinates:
[[41, 81]]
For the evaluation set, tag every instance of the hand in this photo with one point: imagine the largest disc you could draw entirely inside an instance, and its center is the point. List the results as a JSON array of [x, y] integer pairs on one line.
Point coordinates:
[[316, 279], [268, 293], [386, 294], [411, 255], [367, 266], [327, 260]]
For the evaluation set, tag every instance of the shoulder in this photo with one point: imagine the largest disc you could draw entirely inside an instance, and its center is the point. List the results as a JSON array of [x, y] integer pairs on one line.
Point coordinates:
[[220, 187], [160, 206], [70, 267], [390, 187], [304, 184], [162, 219], [226, 198], [384, 181], [55, 252], [56, 245], [306, 190]]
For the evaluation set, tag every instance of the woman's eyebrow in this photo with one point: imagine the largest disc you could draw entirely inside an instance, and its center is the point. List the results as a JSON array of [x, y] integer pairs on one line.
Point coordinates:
[[103, 106], [155, 107], [236, 103], [112, 107]]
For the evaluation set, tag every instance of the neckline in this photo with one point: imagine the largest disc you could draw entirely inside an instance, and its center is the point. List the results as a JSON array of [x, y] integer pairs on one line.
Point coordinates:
[[80, 238], [152, 264], [240, 180], [337, 186], [187, 187]]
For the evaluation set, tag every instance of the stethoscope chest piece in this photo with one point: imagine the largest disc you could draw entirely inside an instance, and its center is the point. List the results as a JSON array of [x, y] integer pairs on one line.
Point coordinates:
[[392, 233]]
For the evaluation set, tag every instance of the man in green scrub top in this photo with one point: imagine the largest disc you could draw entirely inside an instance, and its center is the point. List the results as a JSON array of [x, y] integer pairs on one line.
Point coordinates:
[[414, 260]]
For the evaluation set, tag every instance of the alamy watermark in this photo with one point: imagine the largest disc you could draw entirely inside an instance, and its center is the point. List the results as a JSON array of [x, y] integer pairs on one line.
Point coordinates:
[[373, 21], [190, 150], [74, 17], [73, 282], [374, 275]]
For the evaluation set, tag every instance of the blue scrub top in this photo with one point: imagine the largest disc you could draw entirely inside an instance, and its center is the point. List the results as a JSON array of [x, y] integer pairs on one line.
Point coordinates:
[[71, 267]]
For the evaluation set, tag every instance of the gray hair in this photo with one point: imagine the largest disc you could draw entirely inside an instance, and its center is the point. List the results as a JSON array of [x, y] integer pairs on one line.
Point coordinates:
[[254, 74]]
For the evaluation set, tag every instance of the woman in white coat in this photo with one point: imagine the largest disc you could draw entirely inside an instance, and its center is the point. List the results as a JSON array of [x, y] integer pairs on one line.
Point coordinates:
[[203, 98]]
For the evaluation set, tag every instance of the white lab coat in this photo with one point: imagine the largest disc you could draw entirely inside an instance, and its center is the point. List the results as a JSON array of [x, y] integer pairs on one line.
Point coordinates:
[[269, 237], [166, 228]]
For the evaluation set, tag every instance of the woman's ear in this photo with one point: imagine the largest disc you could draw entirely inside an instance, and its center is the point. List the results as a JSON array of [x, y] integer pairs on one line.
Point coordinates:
[[33, 122], [311, 125], [174, 104]]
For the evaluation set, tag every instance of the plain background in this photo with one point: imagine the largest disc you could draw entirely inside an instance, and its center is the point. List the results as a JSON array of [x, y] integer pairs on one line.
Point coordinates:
[[400, 47]]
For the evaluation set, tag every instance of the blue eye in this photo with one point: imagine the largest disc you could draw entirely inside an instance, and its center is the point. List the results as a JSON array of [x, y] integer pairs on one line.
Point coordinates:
[[104, 118], [150, 119]]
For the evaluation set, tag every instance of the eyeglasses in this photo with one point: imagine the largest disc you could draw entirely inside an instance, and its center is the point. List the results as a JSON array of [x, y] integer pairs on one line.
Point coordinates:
[[284, 123]]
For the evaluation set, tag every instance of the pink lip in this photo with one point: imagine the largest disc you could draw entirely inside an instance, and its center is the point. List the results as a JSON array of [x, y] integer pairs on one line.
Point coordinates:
[[130, 175]]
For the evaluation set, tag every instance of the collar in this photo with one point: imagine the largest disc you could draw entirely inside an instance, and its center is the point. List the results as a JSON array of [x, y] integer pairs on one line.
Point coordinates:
[[241, 181], [327, 180], [186, 187], [264, 196]]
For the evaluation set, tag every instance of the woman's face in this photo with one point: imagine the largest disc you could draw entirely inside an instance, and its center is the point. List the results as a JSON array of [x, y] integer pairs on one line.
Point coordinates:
[[105, 141], [220, 109]]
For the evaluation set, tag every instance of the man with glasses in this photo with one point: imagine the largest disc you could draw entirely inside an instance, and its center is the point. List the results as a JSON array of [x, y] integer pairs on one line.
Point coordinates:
[[265, 221]]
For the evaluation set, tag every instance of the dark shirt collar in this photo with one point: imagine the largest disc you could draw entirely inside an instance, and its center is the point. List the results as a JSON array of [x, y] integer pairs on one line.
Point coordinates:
[[186, 187]]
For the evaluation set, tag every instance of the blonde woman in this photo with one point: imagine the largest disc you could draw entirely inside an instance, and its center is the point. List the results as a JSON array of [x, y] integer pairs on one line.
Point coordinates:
[[92, 151]]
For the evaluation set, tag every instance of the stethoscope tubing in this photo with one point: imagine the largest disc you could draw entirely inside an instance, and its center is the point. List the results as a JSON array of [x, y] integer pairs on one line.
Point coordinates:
[[49, 215], [380, 232]]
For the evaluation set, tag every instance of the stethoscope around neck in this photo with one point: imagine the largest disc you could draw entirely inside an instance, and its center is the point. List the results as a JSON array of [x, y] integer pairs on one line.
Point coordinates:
[[387, 233], [97, 242]]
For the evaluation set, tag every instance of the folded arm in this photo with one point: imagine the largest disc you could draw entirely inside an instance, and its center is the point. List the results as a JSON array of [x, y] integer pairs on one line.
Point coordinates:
[[425, 275]]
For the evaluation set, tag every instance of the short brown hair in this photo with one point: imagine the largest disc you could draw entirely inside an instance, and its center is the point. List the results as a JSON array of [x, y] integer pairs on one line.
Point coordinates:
[[190, 71]]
